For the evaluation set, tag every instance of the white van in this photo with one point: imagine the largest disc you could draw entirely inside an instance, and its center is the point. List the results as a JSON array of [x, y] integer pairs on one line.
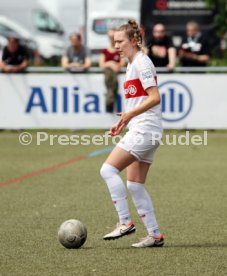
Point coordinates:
[[92, 18], [10, 28], [103, 15], [100, 22], [3, 43], [70, 14], [45, 29]]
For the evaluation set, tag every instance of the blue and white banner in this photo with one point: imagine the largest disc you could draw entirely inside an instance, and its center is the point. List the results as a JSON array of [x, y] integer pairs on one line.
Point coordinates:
[[197, 101]]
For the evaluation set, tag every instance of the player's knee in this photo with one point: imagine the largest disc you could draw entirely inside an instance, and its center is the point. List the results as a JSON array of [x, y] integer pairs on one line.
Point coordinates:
[[108, 171], [133, 186]]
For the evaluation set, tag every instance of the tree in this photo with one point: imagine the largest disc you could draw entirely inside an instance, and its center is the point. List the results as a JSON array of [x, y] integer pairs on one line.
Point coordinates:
[[220, 19]]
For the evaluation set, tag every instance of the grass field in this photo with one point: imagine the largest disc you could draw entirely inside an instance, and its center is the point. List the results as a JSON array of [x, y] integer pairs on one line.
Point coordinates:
[[188, 185]]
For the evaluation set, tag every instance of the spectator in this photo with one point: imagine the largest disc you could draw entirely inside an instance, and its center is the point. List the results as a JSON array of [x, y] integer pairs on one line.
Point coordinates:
[[160, 48], [111, 62], [194, 50], [14, 57], [1, 52], [77, 56]]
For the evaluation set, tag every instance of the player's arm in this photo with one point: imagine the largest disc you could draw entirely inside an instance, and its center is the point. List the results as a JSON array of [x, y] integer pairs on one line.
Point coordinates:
[[152, 100]]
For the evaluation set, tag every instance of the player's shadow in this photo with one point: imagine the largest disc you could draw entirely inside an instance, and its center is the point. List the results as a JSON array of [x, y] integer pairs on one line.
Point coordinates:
[[166, 246], [196, 245]]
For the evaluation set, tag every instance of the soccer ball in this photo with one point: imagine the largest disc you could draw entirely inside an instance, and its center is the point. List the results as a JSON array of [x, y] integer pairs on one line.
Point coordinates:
[[72, 233]]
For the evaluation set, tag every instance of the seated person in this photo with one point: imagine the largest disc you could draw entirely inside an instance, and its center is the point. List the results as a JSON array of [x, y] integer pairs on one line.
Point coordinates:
[[194, 50], [111, 62], [14, 57], [160, 48], [77, 56]]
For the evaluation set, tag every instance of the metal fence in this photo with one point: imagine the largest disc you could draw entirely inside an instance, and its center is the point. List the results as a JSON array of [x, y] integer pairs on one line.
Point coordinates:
[[158, 69]]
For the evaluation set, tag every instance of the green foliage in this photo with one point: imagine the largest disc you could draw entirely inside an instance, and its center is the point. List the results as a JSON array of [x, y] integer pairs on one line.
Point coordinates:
[[220, 18]]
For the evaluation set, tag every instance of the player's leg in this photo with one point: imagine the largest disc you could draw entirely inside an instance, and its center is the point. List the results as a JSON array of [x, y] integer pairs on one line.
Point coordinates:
[[137, 171], [115, 163], [136, 177]]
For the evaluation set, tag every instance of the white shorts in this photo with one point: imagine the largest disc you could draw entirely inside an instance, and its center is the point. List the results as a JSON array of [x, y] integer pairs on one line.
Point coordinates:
[[142, 146]]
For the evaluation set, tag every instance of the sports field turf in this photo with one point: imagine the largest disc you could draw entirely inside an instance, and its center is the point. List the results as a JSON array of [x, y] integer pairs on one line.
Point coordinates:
[[188, 185]]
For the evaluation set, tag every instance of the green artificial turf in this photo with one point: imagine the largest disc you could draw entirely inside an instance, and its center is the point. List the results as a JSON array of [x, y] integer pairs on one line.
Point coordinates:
[[188, 185]]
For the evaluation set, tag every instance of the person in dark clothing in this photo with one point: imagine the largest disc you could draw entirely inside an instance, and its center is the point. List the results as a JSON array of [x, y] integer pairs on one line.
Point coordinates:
[[14, 57], [160, 48], [194, 50]]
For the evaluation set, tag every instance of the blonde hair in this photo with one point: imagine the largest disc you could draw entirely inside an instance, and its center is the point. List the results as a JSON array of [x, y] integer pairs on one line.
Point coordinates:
[[133, 31]]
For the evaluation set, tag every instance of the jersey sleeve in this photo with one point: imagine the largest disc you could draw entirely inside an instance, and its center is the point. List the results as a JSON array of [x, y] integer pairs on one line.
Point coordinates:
[[146, 72]]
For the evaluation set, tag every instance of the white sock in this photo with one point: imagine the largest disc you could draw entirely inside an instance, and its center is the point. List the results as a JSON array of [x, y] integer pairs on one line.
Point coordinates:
[[117, 191], [144, 207]]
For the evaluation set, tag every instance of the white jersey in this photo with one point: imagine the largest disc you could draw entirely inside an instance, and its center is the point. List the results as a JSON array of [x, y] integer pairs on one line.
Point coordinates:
[[141, 75]]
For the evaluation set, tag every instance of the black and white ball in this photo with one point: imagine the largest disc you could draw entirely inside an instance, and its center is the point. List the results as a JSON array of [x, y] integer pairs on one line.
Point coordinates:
[[72, 233]]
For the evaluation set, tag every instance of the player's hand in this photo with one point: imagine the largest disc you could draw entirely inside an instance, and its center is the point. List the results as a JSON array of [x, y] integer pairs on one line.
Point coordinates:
[[116, 129], [125, 117]]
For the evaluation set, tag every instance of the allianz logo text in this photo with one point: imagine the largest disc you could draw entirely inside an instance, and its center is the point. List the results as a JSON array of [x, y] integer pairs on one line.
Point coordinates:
[[176, 101], [66, 100]]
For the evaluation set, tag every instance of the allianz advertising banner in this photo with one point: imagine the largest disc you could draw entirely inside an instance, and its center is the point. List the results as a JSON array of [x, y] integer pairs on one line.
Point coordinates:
[[197, 101]]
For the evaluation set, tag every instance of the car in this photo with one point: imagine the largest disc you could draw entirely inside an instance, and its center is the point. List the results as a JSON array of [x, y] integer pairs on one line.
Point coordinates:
[[47, 46], [7, 29]]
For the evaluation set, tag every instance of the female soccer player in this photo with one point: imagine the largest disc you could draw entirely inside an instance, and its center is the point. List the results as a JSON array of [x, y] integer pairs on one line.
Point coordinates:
[[136, 149]]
